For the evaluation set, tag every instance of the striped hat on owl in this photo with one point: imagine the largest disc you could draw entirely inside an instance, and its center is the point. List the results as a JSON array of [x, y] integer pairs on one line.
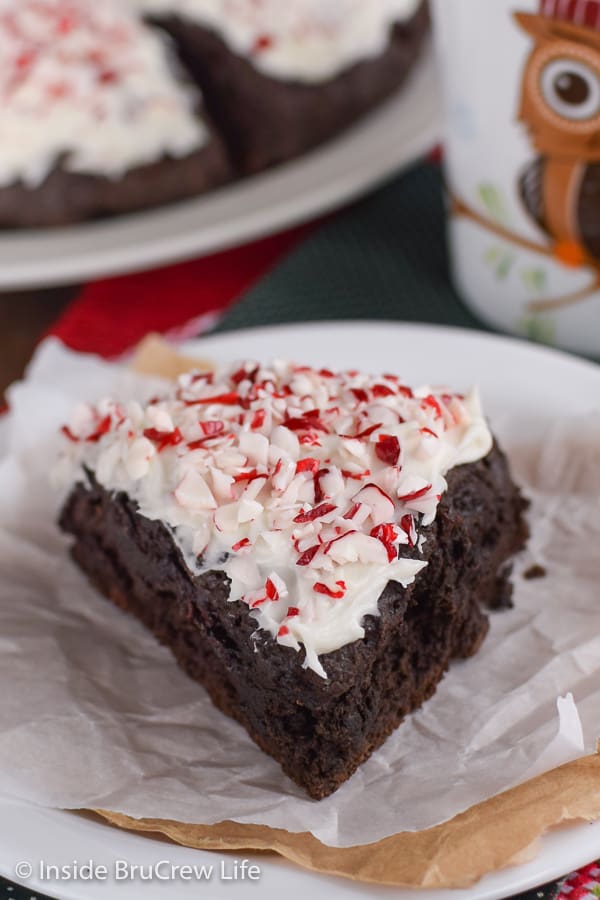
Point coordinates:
[[569, 19], [584, 13]]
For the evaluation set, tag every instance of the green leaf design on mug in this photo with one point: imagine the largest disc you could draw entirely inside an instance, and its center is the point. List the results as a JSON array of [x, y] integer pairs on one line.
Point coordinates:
[[492, 199], [500, 260], [538, 327], [535, 280]]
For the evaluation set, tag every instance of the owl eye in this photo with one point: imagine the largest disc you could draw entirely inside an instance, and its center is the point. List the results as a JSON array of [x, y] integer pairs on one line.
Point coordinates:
[[571, 89]]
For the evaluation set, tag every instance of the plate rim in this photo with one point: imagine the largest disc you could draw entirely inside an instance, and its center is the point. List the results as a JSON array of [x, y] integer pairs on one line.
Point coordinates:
[[499, 339]]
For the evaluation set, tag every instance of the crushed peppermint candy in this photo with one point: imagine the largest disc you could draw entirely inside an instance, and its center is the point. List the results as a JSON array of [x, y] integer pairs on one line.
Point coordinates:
[[304, 486], [91, 86]]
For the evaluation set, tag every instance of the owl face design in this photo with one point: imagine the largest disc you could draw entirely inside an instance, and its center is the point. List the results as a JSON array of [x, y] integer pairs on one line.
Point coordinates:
[[560, 95]]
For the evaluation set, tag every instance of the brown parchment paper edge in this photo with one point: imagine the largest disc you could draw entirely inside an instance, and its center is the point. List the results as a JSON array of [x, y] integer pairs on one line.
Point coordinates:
[[484, 838], [498, 832]]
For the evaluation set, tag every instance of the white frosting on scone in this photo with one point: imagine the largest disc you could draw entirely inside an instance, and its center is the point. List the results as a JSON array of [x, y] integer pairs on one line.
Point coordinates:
[[311, 490], [304, 40], [86, 84]]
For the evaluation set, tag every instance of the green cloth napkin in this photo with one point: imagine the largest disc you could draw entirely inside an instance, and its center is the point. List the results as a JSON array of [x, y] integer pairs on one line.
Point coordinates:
[[383, 258]]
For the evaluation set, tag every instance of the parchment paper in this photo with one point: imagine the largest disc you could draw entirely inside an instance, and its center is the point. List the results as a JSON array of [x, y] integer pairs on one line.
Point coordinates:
[[94, 714]]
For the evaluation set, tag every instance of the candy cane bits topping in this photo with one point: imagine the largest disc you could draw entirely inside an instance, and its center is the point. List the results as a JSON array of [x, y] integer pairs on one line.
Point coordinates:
[[415, 495], [320, 588], [387, 449], [307, 557], [241, 545], [163, 439], [317, 513]]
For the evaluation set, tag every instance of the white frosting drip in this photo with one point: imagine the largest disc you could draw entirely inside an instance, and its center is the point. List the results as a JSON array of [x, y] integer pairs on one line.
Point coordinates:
[[87, 83], [305, 40], [313, 484]]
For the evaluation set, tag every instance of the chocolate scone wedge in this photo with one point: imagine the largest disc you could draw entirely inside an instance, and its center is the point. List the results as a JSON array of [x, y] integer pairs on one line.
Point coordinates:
[[97, 117], [281, 78], [314, 547]]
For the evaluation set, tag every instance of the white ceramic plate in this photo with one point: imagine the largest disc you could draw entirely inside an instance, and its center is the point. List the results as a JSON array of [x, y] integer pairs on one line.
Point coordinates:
[[384, 142], [524, 387]]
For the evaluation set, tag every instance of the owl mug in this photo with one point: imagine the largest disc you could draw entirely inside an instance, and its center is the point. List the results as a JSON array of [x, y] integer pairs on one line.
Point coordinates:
[[521, 81]]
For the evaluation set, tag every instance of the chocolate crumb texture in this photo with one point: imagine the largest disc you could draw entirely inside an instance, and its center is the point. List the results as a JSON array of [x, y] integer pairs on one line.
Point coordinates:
[[535, 571]]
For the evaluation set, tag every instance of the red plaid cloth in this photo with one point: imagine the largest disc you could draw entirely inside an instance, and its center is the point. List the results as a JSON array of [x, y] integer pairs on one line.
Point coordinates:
[[582, 885], [112, 315]]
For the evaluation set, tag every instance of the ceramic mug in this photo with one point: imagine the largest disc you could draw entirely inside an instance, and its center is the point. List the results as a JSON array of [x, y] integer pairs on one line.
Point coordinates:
[[521, 80]]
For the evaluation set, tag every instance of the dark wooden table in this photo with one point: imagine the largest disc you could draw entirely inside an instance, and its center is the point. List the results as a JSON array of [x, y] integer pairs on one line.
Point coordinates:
[[24, 317]]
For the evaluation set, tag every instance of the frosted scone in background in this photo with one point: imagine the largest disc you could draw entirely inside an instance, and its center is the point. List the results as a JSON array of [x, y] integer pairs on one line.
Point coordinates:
[[96, 116], [280, 78]]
